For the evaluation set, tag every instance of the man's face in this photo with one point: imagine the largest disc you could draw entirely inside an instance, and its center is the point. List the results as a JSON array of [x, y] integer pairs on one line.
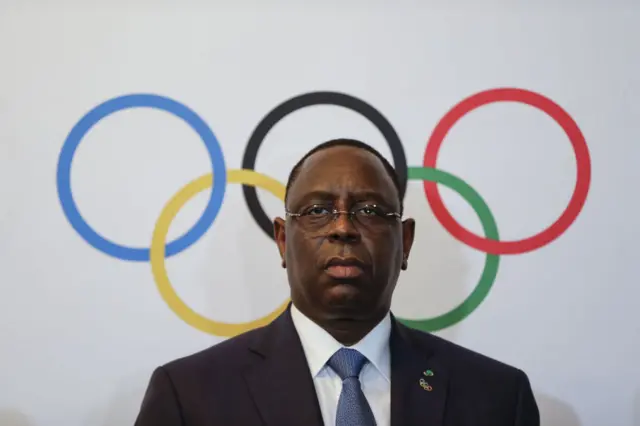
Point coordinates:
[[343, 267]]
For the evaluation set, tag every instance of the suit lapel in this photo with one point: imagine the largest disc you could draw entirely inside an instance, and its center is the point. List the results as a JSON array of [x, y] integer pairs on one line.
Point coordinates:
[[418, 381], [279, 380]]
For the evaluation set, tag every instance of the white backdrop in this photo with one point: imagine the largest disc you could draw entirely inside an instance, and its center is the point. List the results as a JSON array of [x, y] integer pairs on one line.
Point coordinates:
[[81, 331]]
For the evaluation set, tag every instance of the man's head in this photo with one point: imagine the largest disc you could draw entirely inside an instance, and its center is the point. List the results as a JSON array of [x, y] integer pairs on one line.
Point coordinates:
[[343, 266]]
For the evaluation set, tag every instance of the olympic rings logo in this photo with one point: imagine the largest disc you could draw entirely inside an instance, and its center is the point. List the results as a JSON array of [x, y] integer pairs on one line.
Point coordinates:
[[216, 182]]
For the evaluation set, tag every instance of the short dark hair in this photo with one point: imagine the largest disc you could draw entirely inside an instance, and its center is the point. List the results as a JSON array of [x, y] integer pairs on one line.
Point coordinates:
[[355, 144]]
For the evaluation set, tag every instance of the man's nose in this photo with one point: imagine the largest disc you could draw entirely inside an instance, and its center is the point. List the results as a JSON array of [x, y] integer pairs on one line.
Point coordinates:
[[343, 229]]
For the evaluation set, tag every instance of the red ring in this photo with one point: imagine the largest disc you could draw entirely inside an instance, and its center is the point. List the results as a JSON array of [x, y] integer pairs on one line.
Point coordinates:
[[583, 173]]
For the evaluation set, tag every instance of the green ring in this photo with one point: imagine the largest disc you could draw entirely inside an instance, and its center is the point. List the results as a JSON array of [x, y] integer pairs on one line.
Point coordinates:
[[490, 270]]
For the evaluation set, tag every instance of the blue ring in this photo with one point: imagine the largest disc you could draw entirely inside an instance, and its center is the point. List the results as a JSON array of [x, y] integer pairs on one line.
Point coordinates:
[[107, 108]]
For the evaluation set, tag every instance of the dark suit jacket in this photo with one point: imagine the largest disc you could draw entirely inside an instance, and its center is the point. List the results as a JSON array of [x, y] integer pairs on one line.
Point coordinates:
[[262, 378]]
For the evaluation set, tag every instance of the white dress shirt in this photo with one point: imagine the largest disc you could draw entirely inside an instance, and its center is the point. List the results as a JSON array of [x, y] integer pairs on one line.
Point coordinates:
[[375, 376]]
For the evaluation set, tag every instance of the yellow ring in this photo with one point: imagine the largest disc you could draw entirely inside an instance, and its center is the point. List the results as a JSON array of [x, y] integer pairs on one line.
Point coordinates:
[[157, 252]]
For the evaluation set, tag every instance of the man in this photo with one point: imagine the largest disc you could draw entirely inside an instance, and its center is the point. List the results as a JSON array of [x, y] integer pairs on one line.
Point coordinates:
[[337, 356]]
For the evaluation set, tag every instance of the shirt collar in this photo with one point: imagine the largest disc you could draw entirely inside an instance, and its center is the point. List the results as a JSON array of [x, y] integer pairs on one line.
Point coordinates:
[[319, 346]]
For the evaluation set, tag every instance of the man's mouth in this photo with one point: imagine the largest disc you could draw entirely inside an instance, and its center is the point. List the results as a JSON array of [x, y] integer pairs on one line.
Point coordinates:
[[344, 268]]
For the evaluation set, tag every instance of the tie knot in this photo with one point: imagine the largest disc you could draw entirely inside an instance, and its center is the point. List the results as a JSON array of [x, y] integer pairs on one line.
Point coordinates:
[[347, 363]]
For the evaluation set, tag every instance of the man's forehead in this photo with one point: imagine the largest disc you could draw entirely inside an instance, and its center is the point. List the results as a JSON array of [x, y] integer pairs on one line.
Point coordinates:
[[342, 168]]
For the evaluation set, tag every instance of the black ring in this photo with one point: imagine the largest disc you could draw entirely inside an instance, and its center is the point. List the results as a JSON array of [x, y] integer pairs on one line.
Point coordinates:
[[305, 100]]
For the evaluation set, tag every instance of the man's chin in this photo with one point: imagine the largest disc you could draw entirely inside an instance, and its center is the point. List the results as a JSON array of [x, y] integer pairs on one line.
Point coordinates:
[[344, 290], [345, 298]]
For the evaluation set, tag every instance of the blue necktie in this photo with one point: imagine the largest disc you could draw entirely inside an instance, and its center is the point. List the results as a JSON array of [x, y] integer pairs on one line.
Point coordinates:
[[353, 408]]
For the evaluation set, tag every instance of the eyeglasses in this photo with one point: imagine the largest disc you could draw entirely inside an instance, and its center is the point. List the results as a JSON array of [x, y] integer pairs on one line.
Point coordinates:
[[318, 216]]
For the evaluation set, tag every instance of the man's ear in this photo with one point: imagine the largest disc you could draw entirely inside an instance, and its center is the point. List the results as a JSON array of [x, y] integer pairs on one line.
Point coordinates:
[[280, 237], [408, 233]]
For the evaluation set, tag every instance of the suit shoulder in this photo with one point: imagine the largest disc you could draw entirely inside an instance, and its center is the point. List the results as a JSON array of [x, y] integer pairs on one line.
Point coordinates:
[[222, 356], [464, 359], [493, 391]]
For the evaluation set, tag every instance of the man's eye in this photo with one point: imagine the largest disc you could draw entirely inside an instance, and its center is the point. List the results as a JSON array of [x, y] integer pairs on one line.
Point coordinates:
[[317, 211], [369, 211]]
